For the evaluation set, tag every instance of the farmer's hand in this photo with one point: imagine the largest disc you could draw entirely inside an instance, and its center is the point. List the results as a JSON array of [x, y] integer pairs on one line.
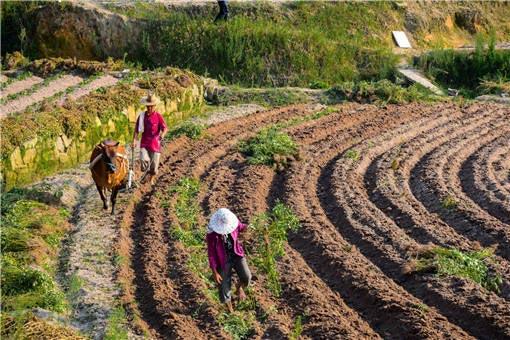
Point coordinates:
[[217, 277]]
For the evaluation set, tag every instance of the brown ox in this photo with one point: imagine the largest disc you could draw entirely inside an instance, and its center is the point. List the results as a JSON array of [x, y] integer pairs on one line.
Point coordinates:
[[109, 166]]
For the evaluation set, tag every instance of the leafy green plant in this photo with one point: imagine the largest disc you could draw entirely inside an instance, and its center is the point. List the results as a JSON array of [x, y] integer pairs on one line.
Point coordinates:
[[270, 146], [187, 128], [238, 325], [473, 265], [271, 229]]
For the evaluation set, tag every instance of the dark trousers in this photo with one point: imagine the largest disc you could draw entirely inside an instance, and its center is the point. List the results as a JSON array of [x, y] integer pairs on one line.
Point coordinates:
[[223, 14], [242, 270]]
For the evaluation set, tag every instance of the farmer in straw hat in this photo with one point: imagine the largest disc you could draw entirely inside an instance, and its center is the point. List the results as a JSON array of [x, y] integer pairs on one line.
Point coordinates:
[[153, 128], [226, 253]]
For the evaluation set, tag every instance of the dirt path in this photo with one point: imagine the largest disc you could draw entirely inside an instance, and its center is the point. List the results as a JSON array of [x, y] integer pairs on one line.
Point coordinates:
[[47, 91]]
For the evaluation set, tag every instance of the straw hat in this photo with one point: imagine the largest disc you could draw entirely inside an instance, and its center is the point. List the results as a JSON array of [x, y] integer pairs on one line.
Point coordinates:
[[150, 100], [223, 222]]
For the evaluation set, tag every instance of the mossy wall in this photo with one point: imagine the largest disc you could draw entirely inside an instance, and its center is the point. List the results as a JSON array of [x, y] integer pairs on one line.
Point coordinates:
[[42, 156]]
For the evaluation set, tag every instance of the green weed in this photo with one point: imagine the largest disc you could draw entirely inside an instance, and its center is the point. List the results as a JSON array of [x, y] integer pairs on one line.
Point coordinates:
[[268, 147], [116, 325], [449, 202], [238, 325], [352, 154], [473, 265], [271, 229], [187, 128], [298, 328], [187, 209]]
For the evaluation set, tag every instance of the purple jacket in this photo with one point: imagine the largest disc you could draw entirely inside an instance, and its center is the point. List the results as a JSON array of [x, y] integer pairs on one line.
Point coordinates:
[[216, 247]]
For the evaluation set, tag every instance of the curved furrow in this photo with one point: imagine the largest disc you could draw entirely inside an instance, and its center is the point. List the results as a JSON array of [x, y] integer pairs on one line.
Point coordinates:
[[149, 263], [151, 260], [388, 188], [499, 170], [388, 308], [435, 182], [327, 315], [244, 188], [219, 182], [478, 180], [388, 246]]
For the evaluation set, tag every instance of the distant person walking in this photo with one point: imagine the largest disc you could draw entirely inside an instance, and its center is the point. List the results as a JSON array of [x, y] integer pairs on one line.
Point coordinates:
[[223, 14], [226, 254], [152, 126]]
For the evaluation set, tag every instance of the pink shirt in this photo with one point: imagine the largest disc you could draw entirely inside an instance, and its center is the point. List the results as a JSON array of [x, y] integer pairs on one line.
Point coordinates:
[[153, 124], [216, 247]]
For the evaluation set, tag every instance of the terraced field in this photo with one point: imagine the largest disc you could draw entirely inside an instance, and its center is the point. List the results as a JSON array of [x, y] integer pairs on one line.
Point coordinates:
[[369, 192], [21, 94]]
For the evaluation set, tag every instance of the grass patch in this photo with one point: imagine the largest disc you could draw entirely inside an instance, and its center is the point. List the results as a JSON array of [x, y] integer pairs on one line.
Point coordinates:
[[187, 128], [269, 147], [30, 237], [116, 325], [271, 229], [477, 266], [31, 232], [265, 45]]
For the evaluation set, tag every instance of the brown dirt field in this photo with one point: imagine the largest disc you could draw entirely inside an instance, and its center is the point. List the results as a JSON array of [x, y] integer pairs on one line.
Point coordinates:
[[362, 219]]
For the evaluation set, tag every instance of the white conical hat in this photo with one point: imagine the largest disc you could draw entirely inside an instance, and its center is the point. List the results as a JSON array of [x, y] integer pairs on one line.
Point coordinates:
[[223, 222]]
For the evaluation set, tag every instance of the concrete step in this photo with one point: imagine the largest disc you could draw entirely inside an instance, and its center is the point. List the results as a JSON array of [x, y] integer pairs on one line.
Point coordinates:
[[416, 76]]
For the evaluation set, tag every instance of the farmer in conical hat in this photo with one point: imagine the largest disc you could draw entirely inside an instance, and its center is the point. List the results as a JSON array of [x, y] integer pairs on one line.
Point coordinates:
[[226, 253], [151, 125]]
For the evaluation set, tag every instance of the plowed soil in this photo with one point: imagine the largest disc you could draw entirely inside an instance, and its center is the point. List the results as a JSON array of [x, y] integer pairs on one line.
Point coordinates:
[[363, 218]]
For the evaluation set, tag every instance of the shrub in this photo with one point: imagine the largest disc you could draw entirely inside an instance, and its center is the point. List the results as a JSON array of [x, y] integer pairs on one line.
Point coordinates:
[[473, 265], [188, 128], [270, 147]]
